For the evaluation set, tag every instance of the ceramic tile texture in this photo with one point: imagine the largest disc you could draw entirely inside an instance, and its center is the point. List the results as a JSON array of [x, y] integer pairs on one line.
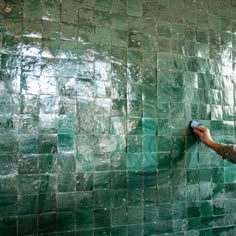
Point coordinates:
[[96, 97]]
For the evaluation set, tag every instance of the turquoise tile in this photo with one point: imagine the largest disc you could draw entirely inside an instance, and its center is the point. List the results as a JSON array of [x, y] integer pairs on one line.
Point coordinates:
[[9, 225], [118, 198], [150, 179], [135, 230], [135, 180], [120, 21], [118, 161], [27, 224], [121, 230], [192, 193], [179, 211], [119, 180], [8, 205], [164, 195], [103, 19], [66, 202], [134, 8], [164, 60], [229, 176], [84, 219], [119, 38], [150, 144], [164, 178], [135, 215], [150, 161], [46, 203], [102, 180], [119, 216], [165, 212], [163, 29], [164, 144], [178, 160], [66, 182], [101, 218], [65, 221], [150, 214], [179, 194], [47, 223], [164, 161], [178, 177], [149, 126], [150, 197], [135, 162], [134, 143], [164, 44]]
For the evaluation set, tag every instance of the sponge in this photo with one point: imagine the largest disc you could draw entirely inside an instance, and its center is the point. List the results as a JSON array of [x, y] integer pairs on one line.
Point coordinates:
[[195, 123]]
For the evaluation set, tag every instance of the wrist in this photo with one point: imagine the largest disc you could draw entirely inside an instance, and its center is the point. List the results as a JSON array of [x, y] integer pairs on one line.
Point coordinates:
[[214, 145]]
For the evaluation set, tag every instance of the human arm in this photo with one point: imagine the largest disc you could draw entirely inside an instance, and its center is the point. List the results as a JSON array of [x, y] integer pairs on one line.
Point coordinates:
[[226, 151]]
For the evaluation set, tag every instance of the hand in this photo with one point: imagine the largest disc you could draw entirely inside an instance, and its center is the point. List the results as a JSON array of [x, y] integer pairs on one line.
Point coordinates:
[[205, 136]]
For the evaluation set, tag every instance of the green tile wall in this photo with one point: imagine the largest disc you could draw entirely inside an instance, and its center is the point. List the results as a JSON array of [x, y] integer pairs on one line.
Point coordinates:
[[96, 97]]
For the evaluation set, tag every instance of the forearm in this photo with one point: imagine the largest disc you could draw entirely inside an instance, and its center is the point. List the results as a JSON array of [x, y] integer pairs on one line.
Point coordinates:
[[227, 151], [215, 146]]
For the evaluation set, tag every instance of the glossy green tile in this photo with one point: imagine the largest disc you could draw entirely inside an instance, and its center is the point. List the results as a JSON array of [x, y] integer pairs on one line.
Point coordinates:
[[105, 231], [135, 180], [135, 215], [8, 205], [118, 198], [229, 175], [134, 144], [102, 199], [164, 143], [205, 175], [192, 193], [163, 28], [119, 230], [47, 223], [119, 180], [164, 160], [47, 144], [150, 214], [84, 232], [164, 177], [47, 183], [179, 177], [150, 196], [102, 180], [66, 202], [192, 176], [149, 161], [66, 182], [46, 203], [65, 221], [27, 224], [119, 38], [149, 144], [119, 216], [165, 212], [84, 200], [102, 218], [179, 211]]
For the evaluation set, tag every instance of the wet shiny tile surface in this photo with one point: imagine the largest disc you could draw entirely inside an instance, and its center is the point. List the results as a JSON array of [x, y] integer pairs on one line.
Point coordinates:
[[96, 97]]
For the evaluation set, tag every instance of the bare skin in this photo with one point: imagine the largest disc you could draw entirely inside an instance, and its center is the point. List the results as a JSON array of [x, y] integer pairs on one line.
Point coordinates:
[[205, 136]]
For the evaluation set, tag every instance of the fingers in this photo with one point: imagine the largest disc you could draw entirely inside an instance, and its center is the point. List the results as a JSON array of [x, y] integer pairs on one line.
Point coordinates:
[[199, 133], [201, 128]]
